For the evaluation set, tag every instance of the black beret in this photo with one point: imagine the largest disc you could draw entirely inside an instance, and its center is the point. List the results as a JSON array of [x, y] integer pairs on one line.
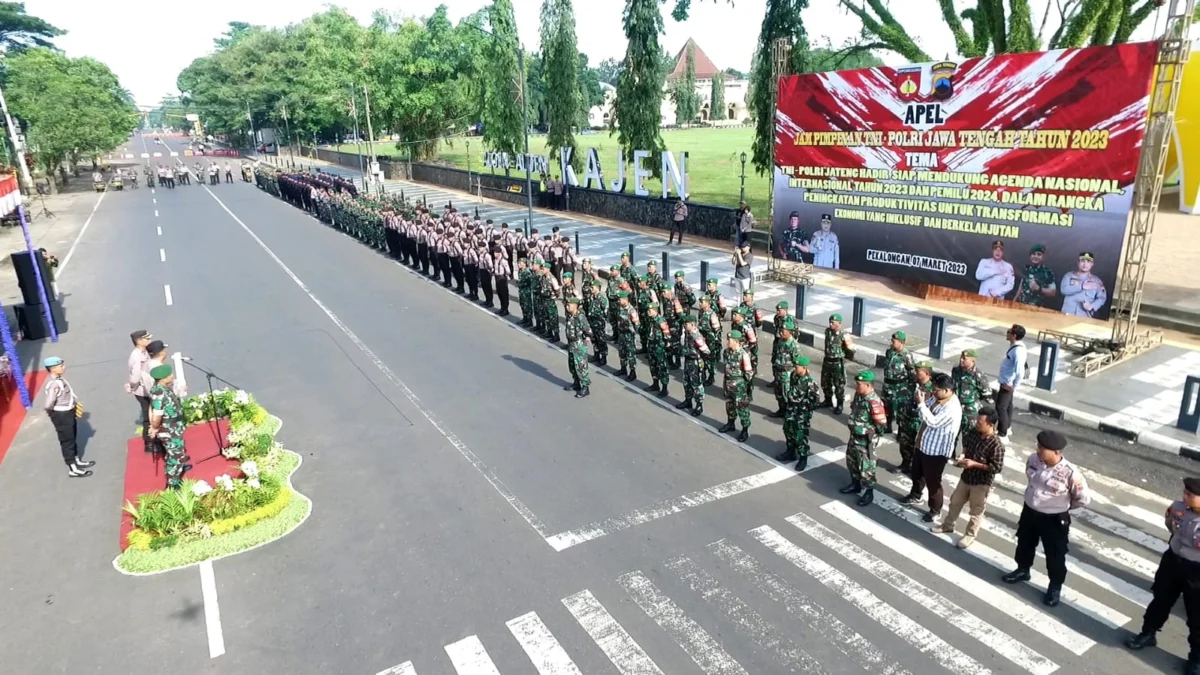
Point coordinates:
[[1192, 485], [1051, 440]]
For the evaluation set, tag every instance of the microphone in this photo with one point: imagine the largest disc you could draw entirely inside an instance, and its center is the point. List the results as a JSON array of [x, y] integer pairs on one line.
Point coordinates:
[[185, 358]]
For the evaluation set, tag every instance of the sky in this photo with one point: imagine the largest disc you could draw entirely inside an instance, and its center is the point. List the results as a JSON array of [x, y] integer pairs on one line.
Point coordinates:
[[149, 45]]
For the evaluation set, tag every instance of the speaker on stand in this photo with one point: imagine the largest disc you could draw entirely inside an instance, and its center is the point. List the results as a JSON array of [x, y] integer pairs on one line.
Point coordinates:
[[31, 317]]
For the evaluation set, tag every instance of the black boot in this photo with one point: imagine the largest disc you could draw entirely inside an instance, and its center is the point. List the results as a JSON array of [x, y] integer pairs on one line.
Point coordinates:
[[787, 455], [684, 404], [777, 414], [698, 410], [651, 387], [1016, 576], [745, 435], [622, 372], [729, 426], [852, 489], [1141, 641], [827, 403], [584, 392], [632, 375], [802, 463], [662, 390], [867, 497], [837, 409], [574, 386]]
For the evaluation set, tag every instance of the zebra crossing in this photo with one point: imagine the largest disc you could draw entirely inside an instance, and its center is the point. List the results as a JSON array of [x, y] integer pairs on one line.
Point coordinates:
[[839, 589]]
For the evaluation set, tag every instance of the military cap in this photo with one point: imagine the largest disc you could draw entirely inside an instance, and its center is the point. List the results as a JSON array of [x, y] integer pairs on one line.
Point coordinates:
[[573, 301], [622, 294], [689, 317], [735, 335], [826, 216], [651, 263], [1037, 248], [900, 335], [748, 291], [971, 353], [679, 274], [782, 305], [1192, 485], [865, 376], [614, 268], [160, 371], [703, 298], [835, 317], [52, 361], [998, 244], [586, 261], [789, 324], [925, 365], [625, 254], [653, 305], [643, 279], [568, 275], [713, 281], [800, 360], [597, 283], [1051, 440], [1087, 255]]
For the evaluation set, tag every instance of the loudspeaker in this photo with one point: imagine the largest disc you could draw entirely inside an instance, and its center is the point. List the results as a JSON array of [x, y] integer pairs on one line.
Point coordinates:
[[22, 263], [31, 319]]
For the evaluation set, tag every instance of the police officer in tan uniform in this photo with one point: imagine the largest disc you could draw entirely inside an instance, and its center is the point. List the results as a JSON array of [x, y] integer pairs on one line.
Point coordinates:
[[1178, 574]]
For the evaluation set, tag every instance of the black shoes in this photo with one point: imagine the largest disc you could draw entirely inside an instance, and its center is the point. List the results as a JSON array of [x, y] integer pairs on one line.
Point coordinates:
[[802, 463], [1141, 641], [583, 392], [852, 489], [727, 428], [631, 376], [911, 499], [74, 471], [1016, 576], [662, 391], [651, 387], [1053, 596], [574, 386], [684, 404], [84, 464], [787, 456], [744, 436], [927, 518], [867, 498], [698, 410]]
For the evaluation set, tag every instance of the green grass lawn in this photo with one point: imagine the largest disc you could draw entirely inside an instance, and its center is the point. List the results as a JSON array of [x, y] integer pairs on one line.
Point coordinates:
[[714, 166]]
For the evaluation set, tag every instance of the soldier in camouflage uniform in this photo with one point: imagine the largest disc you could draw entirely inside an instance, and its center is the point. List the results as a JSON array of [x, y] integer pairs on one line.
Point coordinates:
[[654, 280], [578, 332], [597, 309], [525, 291], [684, 292], [627, 327], [833, 365], [715, 301], [794, 244], [738, 372], [783, 356], [645, 296], [898, 376], [695, 351], [1037, 280], [656, 349], [754, 317], [908, 423], [781, 314], [802, 397], [167, 424], [673, 313], [614, 288], [550, 293], [972, 388], [627, 271], [710, 328], [743, 321], [868, 419]]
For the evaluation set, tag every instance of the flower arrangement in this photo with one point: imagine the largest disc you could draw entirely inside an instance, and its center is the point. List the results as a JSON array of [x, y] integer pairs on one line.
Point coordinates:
[[251, 429]]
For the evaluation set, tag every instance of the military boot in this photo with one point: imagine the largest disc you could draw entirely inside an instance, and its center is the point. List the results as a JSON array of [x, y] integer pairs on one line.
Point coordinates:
[[801, 462], [632, 375], [729, 426], [574, 386], [699, 409], [651, 387], [583, 392], [684, 404], [853, 488], [837, 408], [662, 390], [787, 455], [745, 435]]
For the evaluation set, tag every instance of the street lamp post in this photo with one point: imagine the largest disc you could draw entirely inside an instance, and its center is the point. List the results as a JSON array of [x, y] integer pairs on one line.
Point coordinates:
[[525, 125], [743, 193]]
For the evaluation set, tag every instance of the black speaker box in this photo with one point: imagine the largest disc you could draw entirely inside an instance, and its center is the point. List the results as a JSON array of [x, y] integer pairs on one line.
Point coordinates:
[[31, 319], [23, 265]]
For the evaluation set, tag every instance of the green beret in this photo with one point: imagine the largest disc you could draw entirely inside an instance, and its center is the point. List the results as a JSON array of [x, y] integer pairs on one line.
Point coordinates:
[[789, 324], [1037, 248], [925, 365], [643, 279], [782, 305], [800, 360], [568, 275], [596, 283], [651, 263], [689, 317], [835, 317], [573, 301], [735, 335], [679, 274], [865, 376], [622, 294], [713, 281], [161, 371], [653, 305], [899, 335], [971, 353], [625, 254], [615, 268]]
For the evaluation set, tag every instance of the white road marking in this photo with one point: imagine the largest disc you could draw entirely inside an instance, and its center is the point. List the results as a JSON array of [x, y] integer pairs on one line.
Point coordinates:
[[747, 621], [167, 292], [155, 200], [525, 512], [609, 636], [405, 668], [1118, 555], [1109, 582], [470, 658], [836, 633], [155, 213], [159, 228], [969, 623], [1004, 562], [162, 255], [925, 641], [62, 268], [691, 638], [1135, 512], [539, 644], [565, 540], [212, 612]]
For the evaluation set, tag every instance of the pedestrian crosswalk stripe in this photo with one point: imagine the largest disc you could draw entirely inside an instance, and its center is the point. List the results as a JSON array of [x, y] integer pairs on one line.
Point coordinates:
[[1100, 612], [405, 668], [749, 622], [969, 623], [613, 640], [470, 658], [923, 639], [1118, 555], [691, 638], [539, 644], [833, 630], [1083, 570], [1133, 511]]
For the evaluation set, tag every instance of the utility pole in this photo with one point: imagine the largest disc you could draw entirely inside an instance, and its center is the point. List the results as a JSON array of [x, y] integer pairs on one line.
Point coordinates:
[[26, 179], [288, 124], [357, 140], [370, 133], [250, 118], [525, 123]]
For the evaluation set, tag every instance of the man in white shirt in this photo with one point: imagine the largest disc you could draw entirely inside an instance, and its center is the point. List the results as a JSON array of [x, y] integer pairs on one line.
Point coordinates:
[[995, 274], [1012, 371], [941, 419], [134, 384]]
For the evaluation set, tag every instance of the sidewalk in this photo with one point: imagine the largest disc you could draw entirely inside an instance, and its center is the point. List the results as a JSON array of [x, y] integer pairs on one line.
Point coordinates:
[[1138, 400]]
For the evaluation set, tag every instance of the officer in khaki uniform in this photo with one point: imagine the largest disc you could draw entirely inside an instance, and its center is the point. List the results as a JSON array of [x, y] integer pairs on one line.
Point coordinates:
[[1178, 574]]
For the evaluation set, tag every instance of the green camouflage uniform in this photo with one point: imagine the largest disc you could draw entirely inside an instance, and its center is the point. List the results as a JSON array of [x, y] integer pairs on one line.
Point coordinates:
[[713, 337], [909, 422], [685, 295], [792, 239], [783, 356], [614, 287], [695, 350], [549, 304], [737, 380], [577, 330], [753, 318], [899, 377], [833, 367], [802, 398], [626, 337], [164, 400], [864, 433], [716, 303], [525, 293], [655, 282], [644, 298], [675, 323], [597, 309], [971, 387], [1045, 278], [656, 348]]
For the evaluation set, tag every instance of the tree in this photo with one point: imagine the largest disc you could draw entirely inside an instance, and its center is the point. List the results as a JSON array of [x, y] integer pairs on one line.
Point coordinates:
[[716, 106], [781, 21], [561, 62], [503, 129], [20, 31], [735, 73], [590, 91], [637, 107], [826, 59], [687, 101], [609, 71]]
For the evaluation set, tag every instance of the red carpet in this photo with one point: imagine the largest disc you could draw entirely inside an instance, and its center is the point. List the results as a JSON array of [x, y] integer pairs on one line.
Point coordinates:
[[144, 471], [12, 413]]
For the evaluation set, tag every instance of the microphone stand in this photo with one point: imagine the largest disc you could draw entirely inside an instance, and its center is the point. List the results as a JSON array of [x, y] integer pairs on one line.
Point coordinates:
[[213, 423]]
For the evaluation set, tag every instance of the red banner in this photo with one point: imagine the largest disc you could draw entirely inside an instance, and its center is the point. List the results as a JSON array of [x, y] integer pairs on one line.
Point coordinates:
[[1010, 176]]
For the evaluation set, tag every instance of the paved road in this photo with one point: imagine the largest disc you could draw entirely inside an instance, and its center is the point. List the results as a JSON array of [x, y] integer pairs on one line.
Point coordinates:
[[471, 517]]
